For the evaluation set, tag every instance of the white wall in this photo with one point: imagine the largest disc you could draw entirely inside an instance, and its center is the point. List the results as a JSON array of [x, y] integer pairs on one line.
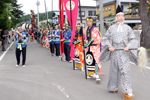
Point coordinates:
[[86, 14], [105, 1], [109, 18], [125, 6]]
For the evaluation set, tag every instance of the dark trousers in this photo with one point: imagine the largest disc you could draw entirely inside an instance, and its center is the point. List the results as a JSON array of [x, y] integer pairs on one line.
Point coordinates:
[[52, 48], [3, 44], [18, 53], [67, 52], [57, 46]]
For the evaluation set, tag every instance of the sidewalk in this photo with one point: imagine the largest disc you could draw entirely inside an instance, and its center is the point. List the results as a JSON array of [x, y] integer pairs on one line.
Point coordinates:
[[148, 53]]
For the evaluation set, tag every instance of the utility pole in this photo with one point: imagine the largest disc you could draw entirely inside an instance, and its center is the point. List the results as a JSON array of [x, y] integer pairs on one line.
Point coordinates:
[[66, 21], [52, 5], [38, 3], [101, 17], [46, 13], [52, 13]]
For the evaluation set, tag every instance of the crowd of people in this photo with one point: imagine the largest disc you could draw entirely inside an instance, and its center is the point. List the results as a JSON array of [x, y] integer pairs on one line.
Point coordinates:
[[115, 45]]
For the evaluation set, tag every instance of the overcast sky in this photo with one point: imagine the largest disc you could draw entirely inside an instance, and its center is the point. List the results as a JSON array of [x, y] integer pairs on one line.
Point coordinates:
[[31, 4]]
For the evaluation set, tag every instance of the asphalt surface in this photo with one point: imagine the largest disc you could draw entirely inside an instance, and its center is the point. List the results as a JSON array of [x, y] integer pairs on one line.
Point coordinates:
[[47, 78]]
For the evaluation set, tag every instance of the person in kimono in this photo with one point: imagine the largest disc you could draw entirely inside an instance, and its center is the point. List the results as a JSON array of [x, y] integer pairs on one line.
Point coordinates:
[[67, 37], [44, 38], [116, 45], [79, 45], [56, 33], [47, 40], [93, 39]]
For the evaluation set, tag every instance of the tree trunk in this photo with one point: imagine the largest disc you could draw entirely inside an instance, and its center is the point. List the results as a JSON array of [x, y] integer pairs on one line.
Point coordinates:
[[145, 23]]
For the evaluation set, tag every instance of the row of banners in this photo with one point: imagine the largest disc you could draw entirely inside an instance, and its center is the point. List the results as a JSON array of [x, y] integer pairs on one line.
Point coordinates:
[[71, 7]]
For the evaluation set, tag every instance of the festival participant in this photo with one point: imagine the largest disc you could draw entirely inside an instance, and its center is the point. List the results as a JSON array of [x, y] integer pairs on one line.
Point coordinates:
[[47, 39], [67, 37], [56, 33], [51, 42], [21, 46], [31, 35], [33, 19], [119, 36], [93, 39], [79, 45]]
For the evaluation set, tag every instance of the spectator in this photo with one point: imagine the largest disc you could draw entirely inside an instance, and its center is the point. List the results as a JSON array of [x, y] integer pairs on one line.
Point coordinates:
[[3, 37]]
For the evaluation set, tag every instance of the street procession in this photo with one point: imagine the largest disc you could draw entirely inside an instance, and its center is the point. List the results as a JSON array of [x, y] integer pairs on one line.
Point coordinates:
[[75, 50]]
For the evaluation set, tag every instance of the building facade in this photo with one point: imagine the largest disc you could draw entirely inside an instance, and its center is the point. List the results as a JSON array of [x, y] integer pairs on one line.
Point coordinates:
[[87, 11], [109, 11]]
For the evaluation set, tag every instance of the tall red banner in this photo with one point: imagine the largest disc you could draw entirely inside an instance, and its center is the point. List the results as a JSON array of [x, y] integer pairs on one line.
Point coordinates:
[[61, 22], [74, 10]]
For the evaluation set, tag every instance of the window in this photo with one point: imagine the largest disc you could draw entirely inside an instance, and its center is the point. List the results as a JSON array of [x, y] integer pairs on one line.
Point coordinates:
[[106, 9], [90, 13], [109, 8], [122, 7], [103, 9], [82, 13], [94, 13]]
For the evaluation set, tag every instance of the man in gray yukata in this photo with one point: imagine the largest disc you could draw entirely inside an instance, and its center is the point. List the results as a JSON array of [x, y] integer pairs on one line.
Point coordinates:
[[119, 36]]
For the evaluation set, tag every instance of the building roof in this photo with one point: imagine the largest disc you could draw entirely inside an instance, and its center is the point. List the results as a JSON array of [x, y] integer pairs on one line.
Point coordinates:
[[88, 6], [108, 3], [114, 1]]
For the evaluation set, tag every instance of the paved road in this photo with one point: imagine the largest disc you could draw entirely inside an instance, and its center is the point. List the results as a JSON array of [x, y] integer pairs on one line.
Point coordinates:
[[47, 78]]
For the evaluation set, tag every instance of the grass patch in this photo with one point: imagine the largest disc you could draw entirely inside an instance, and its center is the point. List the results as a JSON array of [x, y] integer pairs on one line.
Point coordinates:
[[148, 49]]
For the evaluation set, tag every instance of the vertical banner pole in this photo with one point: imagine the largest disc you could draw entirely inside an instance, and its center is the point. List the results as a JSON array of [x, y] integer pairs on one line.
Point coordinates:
[[82, 40]]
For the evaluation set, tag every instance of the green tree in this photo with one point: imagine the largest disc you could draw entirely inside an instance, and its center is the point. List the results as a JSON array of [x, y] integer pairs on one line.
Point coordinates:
[[145, 19], [144, 12], [16, 13], [4, 21], [42, 16], [9, 8]]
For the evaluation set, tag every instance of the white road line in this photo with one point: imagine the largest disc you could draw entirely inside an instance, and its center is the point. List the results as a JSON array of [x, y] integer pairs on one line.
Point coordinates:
[[45, 70], [132, 63], [148, 67], [2, 56], [135, 64], [61, 89]]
